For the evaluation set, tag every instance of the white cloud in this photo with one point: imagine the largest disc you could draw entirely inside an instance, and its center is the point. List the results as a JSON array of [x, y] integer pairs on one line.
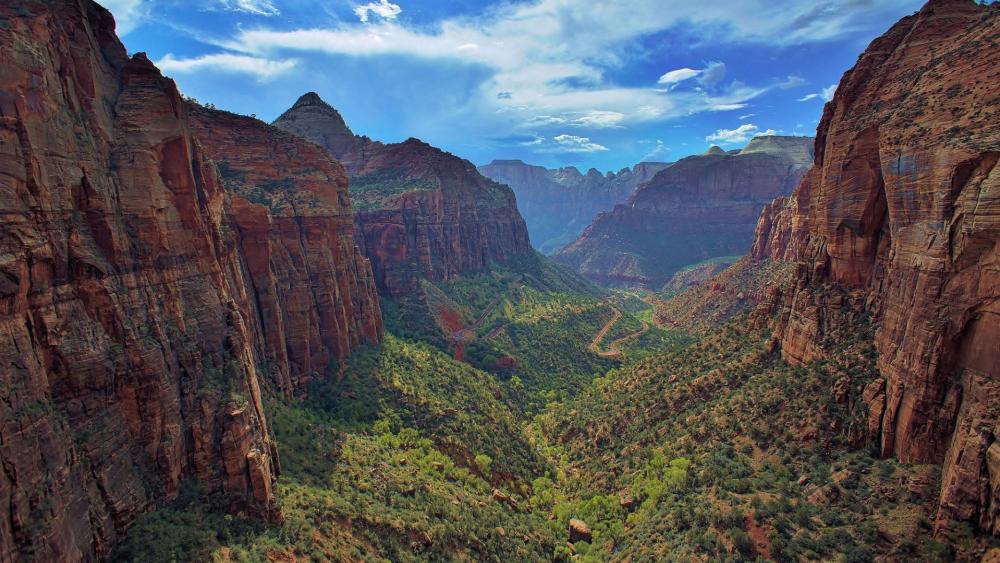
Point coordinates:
[[573, 144], [258, 7], [128, 13], [746, 116], [554, 57], [592, 119], [792, 82], [727, 107], [710, 76], [741, 134], [826, 94], [677, 76], [386, 10], [659, 151], [263, 69], [534, 142]]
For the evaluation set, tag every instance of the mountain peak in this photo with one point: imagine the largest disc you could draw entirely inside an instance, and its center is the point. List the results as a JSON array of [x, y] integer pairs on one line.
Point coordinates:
[[314, 119], [310, 99], [714, 149]]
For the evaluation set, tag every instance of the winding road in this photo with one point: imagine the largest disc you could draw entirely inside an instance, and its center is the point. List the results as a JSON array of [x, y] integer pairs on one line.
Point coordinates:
[[614, 350]]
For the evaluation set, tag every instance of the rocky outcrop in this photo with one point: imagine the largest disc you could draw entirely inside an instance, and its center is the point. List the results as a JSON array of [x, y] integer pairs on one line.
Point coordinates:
[[558, 204], [132, 351], [901, 210], [314, 293], [699, 208], [420, 212]]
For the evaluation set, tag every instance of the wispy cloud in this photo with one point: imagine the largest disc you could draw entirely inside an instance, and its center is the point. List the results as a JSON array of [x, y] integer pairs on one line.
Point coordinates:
[[380, 9], [552, 58], [263, 69], [593, 119], [713, 73], [741, 134], [563, 144], [678, 76], [658, 152], [826, 94], [258, 7]]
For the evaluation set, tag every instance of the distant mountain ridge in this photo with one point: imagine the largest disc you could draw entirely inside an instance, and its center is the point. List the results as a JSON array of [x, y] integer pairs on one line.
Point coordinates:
[[420, 212], [559, 203], [701, 207]]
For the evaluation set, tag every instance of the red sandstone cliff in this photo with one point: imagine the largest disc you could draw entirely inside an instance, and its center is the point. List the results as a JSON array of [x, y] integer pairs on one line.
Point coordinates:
[[902, 209], [131, 321], [701, 207], [314, 293], [420, 212]]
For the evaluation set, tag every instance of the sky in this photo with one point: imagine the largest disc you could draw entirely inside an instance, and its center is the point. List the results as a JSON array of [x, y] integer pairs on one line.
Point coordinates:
[[590, 83]]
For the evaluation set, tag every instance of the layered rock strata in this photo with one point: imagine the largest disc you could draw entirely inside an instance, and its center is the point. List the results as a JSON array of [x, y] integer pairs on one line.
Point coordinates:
[[133, 351], [699, 208], [902, 210], [420, 212]]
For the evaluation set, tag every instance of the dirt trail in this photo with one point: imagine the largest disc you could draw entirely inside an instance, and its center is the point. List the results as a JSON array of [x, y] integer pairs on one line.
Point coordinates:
[[614, 349], [463, 335]]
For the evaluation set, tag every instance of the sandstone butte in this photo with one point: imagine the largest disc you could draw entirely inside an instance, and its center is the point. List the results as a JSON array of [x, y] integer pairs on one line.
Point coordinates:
[[558, 204], [145, 301], [702, 207], [902, 212], [420, 212]]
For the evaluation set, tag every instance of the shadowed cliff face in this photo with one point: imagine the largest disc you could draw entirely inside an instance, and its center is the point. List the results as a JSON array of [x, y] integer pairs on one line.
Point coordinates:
[[419, 212], [132, 308], [699, 208], [901, 209], [315, 298], [558, 204]]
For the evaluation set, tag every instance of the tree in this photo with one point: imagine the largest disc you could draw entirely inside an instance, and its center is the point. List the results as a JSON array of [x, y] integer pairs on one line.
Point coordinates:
[[483, 462]]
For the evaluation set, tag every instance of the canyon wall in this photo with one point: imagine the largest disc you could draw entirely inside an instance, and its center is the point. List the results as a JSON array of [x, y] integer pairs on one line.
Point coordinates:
[[558, 204], [314, 292], [699, 208], [902, 210], [133, 346], [420, 212]]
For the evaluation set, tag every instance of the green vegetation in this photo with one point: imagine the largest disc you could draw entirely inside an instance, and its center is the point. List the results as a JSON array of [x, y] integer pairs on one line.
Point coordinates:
[[375, 189], [684, 448]]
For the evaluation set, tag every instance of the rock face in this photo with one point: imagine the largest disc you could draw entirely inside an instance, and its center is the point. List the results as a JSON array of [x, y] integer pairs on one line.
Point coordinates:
[[902, 210], [699, 208], [132, 345], [420, 213], [315, 297], [558, 204]]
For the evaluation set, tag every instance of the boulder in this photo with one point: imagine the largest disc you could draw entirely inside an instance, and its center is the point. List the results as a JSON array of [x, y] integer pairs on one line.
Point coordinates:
[[578, 531]]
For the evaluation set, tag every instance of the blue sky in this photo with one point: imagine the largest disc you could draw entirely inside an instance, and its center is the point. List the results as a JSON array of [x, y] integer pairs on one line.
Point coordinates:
[[554, 82]]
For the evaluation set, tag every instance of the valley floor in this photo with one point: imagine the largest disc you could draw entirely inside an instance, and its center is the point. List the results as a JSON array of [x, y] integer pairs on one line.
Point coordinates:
[[494, 414]]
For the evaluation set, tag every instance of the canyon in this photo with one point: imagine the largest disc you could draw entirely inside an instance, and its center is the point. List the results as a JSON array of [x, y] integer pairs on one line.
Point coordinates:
[[223, 339], [699, 208], [558, 204]]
